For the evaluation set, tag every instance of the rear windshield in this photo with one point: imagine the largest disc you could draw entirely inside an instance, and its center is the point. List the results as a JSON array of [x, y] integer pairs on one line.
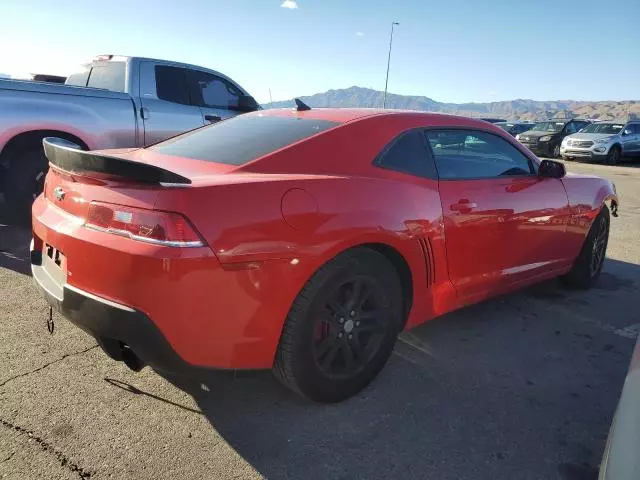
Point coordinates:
[[243, 138], [105, 75]]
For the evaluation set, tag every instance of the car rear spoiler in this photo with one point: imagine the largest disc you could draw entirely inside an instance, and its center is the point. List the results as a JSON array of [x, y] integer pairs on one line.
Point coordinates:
[[69, 157]]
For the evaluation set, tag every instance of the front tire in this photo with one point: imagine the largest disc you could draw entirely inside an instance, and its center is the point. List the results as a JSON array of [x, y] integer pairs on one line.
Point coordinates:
[[556, 151], [614, 155], [341, 328], [587, 267]]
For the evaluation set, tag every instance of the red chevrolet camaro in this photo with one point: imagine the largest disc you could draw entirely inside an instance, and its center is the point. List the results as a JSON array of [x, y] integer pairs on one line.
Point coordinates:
[[304, 240]]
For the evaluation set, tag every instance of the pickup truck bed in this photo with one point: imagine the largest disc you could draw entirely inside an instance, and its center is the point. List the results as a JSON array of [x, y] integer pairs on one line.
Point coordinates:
[[116, 102]]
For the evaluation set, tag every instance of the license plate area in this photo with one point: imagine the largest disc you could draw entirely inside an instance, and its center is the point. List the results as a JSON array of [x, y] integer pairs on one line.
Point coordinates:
[[54, 263]]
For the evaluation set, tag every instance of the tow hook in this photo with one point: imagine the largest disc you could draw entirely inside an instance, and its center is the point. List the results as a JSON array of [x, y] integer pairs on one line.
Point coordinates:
[[51, 326]]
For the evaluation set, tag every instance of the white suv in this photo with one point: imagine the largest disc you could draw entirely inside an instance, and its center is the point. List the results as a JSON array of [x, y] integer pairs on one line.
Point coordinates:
[[603, 141]]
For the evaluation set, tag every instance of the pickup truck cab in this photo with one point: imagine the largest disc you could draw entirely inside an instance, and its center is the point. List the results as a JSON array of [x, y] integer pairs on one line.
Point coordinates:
[[114, 102]]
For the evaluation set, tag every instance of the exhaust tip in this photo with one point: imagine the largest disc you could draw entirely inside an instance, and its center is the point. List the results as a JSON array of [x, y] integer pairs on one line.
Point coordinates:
[[131, 360]]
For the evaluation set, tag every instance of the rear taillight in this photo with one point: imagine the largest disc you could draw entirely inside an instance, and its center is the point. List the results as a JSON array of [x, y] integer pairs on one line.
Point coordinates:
[[160, 228]]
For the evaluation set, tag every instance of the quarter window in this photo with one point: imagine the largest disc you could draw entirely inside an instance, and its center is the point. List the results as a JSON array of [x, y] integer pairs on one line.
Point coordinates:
[[408, 154], [465, 154]]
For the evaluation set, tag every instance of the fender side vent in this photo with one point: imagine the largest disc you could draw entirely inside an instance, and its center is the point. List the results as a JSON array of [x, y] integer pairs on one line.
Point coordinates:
[[427, 253]]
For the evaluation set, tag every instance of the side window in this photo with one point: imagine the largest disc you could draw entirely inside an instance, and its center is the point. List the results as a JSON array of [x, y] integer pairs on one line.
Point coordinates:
[[635, 128], [108, 75], [570, 128], [171, 84], [470, 154], [408, 154], [211, 91]]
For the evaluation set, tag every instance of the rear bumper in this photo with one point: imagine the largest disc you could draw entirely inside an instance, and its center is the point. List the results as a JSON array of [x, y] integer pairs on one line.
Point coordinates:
[[110, 323], [178, 302]]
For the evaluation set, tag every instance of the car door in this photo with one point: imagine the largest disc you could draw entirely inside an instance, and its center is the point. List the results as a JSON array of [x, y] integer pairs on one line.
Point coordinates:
[[217, 97], [635, 144], [167, 109], [504, 225]]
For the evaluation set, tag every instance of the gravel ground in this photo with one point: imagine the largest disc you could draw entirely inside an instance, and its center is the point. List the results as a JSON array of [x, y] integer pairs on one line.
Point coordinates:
[[523, 386]]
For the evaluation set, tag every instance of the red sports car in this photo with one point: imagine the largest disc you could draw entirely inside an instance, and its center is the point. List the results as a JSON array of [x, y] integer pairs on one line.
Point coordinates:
[[304, 240]]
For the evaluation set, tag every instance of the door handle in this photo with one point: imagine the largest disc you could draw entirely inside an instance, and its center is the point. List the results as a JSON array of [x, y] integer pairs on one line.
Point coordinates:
[[212, 118], [463, 206]]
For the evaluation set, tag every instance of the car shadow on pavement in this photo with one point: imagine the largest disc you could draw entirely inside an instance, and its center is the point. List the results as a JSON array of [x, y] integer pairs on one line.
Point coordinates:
[[14, 248], [515, 387]]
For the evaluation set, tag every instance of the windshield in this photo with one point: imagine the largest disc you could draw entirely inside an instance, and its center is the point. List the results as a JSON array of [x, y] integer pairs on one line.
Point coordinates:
[[548, 127], [608, 128], [505, 125]]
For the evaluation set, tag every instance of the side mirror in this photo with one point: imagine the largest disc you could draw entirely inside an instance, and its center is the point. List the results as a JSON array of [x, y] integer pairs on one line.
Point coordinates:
[[551, 169], [246, 103], [627, 131]]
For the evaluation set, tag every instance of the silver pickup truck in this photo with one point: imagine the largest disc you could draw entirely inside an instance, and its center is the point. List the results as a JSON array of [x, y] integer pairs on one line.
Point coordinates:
[[115, 102]]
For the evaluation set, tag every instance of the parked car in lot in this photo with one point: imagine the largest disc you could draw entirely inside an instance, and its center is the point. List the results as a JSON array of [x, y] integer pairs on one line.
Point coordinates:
[[514, 128], [544, 138], [130, 102], [620, 460], [603, 141], [273, 240]]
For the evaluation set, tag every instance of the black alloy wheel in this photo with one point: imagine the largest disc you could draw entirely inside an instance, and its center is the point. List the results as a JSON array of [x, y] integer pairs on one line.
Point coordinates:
[[352, 328]]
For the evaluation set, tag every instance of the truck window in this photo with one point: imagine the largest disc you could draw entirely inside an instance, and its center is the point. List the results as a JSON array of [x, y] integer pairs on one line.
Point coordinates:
[[108, 75], [171, 84], [78, 79], [208, 90]]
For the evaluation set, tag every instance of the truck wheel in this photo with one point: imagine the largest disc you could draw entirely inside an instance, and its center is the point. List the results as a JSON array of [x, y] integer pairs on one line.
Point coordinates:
[[24, 182], [614, 155], [341, 328], [587, 267]]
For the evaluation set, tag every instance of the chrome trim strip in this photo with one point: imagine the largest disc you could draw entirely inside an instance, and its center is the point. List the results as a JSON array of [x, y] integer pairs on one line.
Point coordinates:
[[99, 299], [165, 243]]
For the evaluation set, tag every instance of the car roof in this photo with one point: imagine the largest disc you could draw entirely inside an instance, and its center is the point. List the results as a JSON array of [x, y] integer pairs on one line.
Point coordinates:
[[346, 115]]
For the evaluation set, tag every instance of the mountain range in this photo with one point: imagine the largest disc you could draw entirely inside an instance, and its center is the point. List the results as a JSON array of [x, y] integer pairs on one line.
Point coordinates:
[[520, 109]]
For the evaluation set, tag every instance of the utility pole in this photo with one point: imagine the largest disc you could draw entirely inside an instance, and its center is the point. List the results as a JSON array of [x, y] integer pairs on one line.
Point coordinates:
[[270, 99], [386, 83]]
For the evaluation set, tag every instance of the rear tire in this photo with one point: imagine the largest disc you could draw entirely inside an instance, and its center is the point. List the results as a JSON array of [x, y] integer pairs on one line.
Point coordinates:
[[614, 155], [587, 267], [341, 328], [24, 182]]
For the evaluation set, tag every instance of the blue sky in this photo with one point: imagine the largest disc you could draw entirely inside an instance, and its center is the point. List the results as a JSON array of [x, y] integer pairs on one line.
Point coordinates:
[[453, 50]]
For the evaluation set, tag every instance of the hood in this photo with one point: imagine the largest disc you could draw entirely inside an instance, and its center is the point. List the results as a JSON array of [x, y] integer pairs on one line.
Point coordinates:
[[532, 134], [590, 136]]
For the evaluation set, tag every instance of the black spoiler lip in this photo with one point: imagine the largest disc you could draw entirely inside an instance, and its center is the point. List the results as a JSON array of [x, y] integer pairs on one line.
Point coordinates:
[[67, 156]]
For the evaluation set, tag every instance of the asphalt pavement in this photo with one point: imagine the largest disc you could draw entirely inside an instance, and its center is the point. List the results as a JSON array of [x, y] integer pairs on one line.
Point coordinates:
[[519, 387]]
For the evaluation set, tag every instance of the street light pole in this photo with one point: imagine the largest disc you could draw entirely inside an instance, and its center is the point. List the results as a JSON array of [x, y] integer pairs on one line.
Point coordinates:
[[386, 82]]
